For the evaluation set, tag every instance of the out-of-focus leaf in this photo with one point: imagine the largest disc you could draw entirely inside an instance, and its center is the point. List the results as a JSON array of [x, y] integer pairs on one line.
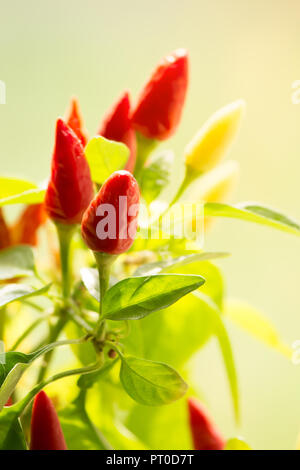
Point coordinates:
[[84, 351], [254, 323], [16, 261], [104, 157], [151, 383], [225, 346], [169, 422], [156, 175], [11, 434], [253, 212], [214, 285], [175, 263], [11, 292], [79, 431], [136, 297], [236, 443], [10, 376], [19, 191], [185, 323]]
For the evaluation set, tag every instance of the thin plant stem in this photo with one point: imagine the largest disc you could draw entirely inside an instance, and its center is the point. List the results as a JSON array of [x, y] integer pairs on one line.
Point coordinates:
[[65, 234]]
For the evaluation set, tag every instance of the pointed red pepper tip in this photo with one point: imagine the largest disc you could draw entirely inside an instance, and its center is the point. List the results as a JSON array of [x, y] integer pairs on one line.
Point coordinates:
[[159, 107], [5, 233], [75, 121], [24, 232], [116, 126], [113, 230], [70, 188], [204, 433], [46, 432]]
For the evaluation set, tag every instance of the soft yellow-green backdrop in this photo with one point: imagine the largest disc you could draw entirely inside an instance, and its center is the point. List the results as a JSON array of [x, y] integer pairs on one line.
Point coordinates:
[[50, 50]]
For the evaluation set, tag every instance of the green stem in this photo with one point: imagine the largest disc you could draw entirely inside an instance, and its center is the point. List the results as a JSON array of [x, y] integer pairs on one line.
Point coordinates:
[[21, 405], [65, 234], [144, 148], [104, 262], [29, 330], [54, 334]]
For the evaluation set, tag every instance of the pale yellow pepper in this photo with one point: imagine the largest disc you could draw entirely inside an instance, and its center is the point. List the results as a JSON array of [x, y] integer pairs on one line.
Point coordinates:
[[214, 139]]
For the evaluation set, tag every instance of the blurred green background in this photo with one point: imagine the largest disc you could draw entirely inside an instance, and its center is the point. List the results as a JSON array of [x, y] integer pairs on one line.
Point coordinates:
[[94, 49]]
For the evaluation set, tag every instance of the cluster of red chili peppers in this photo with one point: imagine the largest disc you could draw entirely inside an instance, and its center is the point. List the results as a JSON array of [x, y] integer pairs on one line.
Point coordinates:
[[71, 200]]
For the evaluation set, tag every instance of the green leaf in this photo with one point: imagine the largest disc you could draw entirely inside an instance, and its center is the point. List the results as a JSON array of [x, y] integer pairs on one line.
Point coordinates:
[[136, 297], [104, 157], [19, 191], [236, 443], [253, 213], [79, 431], [185, 323], [225, 346], [171, 263], [16, 261], [151, 383], [214, 284], [11, 434], [11, 292], [156, 175], [253, 322], [88, 380], [12, 368], [10, 376], [10, 186]]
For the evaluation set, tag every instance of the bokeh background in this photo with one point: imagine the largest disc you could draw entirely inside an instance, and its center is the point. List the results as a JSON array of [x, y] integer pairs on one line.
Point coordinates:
[[52, 50]]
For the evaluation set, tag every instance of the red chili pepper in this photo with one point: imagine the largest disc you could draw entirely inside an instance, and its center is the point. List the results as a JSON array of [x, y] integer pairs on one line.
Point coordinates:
[[24, 232], [9, 402], [46, 432], [160, 104], [5, 236], [75, 121], [112, 230], [204, 433], [70, 188], [116, 125]]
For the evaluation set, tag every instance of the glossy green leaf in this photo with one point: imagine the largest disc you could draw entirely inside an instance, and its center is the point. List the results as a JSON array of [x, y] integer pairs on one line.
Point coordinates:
[[253, 212], [172, 263], [79, 431], [11, 292], [156, 175], [236, 443], [253, 322], [136, 297], [104, 157], [151, 383], [16, 261]]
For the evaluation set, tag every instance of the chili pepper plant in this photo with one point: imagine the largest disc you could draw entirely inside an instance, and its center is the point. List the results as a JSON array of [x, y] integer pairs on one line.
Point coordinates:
[[104, 298]]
